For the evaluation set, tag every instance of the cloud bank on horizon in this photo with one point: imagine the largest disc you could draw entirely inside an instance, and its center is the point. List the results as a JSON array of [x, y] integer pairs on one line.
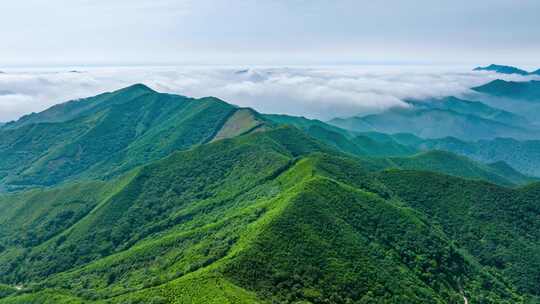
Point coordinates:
[[313, 92]]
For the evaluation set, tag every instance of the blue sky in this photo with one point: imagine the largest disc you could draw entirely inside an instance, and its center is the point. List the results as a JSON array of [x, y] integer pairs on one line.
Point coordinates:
[[94, 32]]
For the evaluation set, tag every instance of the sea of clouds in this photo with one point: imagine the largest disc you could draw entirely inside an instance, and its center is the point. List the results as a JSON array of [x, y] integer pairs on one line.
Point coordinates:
[[314, 92]]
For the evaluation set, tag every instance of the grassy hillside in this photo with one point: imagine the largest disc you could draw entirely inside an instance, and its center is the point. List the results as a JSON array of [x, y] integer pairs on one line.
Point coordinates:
[[241, 122]]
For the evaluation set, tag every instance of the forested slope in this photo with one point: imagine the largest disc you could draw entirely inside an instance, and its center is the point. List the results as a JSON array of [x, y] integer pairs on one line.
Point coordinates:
[[199, 201], [262, 217]]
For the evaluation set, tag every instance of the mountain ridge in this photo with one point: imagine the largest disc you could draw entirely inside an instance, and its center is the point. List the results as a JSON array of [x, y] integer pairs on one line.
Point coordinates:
[[70, 109], [107, 135], [433, 123], [406, 146], [199, 201], [503, 69], [529, 90], [468, 107], [506, 69], [248, 246]]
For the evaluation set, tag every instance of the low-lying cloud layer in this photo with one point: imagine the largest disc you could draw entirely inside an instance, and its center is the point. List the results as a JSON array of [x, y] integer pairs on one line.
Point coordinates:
[[314, 92]]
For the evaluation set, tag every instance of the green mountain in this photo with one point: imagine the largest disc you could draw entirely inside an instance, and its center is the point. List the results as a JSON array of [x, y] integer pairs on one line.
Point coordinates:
[[503, 69], [522, 155], [433, 123], [264, 217], [72, 109], [157, 198], [494, 224], [529, 90], [109, 134], [452, 164], [345, 141], [445, 117], [402, 152], [474, 108]]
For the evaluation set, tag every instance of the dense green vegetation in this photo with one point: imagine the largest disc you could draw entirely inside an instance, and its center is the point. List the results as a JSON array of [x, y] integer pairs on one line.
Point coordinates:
[[232, 208], [346, 141], [174, 200], [39, 215], [402, 151], [104, 136], [449, 163], [522, 155], [499, 226]]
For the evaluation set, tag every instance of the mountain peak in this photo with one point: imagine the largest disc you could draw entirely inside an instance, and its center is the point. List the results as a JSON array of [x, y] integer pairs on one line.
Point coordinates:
[[503, 69], [75, 108], [138, 87]]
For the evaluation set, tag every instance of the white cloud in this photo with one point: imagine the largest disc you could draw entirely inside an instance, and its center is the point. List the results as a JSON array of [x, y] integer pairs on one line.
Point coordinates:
[[315, 92]]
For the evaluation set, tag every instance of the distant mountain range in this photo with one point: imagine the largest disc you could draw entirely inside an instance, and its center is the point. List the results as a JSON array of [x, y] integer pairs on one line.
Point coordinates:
[[505, 69], [470, 128], [528, 90], [522, 155], [441, 118], [474, 108]]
